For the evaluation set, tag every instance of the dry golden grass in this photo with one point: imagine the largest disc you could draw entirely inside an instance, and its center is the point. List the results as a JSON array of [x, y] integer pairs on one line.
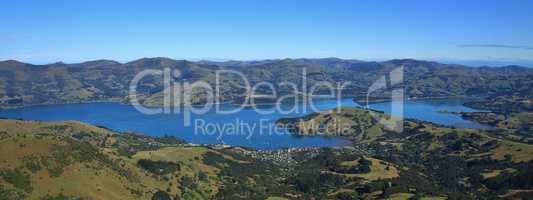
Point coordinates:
[[82, 181], [93, 179], [519, 152], [378, 170], [497, 172], [400, 196], [88, 179], [36, 127], [190, 159]]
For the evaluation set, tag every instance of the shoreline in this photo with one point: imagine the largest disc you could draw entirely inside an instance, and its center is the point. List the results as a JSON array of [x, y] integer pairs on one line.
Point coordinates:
[[383, 100], [124, 102], [347, 141]]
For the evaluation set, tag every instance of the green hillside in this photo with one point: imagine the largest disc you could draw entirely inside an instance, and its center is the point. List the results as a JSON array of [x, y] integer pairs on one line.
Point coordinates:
[[62, 160], [103, 80]]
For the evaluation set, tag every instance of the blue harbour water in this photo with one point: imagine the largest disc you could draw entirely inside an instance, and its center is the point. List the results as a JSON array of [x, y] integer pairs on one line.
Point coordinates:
[[246, 128]]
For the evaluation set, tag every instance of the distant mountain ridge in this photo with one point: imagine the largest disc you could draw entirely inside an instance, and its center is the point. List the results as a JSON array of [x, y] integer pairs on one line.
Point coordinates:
[[106, 80], [319, 61], [326, 61]]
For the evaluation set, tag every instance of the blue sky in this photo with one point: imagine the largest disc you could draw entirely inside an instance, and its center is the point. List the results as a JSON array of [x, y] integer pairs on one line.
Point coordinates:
[[73, 31]]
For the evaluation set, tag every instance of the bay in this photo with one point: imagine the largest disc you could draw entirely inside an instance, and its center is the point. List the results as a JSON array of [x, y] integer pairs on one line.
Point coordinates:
[[246, 128]]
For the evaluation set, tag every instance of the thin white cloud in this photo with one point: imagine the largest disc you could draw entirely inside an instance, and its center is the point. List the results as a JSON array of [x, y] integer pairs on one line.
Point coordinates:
[[495, 46]]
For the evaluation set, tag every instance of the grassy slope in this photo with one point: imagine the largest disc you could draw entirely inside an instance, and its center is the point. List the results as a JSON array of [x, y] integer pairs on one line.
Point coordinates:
[[378, 170], [92, 177], [424, 143], [364, 128], [81, 160], [25, 84]]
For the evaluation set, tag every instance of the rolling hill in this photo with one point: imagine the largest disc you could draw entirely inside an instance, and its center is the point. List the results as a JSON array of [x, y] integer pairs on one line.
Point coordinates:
[[72, 160], [24, 84]]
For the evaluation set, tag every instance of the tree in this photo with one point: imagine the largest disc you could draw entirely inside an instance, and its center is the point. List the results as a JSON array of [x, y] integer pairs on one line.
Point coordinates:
[[161, 195]]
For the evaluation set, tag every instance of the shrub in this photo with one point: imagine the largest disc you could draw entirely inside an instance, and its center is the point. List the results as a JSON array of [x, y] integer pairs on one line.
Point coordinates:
[[161, 195], [158, 167], [18, 179]]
